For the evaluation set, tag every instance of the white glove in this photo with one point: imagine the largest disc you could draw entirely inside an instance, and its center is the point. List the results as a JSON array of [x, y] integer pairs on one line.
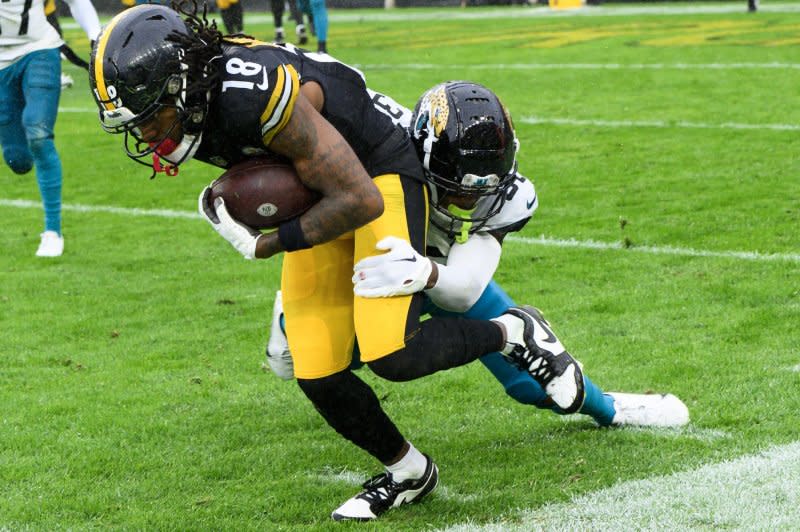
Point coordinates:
[[400, 272], [240, 236]]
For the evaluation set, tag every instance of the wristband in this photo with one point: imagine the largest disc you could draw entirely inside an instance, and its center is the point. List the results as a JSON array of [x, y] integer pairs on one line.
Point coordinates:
[[291, 235]]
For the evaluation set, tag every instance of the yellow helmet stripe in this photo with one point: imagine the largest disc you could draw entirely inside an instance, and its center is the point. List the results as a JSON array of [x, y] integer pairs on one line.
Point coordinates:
[[102, 42], [281, 103]]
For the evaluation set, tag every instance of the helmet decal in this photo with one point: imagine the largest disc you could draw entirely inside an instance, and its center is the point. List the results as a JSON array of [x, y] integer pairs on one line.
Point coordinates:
[[107, 94], [440, 111]]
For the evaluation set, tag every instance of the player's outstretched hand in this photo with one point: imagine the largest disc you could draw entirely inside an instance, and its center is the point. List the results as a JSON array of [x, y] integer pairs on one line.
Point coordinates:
[[240, 236], [401, 271]]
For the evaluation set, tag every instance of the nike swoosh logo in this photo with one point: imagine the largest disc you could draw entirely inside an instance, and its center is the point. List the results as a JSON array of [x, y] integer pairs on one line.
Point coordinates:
[[531, 202], [410, 259], [548, 340]]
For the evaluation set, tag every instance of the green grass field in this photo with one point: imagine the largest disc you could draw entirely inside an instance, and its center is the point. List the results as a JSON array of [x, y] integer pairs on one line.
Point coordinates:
[[665, 252]]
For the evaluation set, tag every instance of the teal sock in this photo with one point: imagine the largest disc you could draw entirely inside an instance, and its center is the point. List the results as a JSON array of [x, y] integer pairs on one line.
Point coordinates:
[[48, 176], [597, 404]]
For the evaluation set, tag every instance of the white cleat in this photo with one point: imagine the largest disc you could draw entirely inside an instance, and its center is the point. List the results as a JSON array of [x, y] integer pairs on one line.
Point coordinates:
[[279, 357], [52, 245], [649, 410], [381, 493], [66, 81]]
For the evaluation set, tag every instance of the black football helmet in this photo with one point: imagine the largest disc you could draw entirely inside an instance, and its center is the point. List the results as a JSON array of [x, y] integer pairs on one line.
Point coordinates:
[[465, 139], [137, 68]]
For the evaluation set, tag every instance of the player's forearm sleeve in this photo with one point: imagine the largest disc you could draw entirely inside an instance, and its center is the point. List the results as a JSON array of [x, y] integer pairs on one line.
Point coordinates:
[[469, 269], [85, 15]]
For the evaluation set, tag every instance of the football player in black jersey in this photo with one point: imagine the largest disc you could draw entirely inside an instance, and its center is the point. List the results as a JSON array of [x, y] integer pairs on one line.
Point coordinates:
[[176, 88]]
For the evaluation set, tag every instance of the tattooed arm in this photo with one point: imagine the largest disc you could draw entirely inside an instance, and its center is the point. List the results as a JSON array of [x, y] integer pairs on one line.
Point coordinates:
[[326, 163]]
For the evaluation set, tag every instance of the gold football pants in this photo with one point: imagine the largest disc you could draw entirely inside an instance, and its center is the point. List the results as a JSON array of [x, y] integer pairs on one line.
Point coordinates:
[[323, 316]]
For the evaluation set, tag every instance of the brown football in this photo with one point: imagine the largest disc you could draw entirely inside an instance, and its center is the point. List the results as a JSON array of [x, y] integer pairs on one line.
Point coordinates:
[[263, 192]]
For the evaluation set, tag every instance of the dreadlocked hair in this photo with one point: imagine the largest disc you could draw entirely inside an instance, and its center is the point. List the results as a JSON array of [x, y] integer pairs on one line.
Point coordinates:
[[201, 45]]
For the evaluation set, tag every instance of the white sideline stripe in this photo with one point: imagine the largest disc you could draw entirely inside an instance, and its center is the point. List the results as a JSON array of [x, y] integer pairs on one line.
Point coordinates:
[[454, 13], [655, 123], [755, 492], [581, 66], [536, 120], [159, 213], [541, 241], [533, 12], [657, 250]]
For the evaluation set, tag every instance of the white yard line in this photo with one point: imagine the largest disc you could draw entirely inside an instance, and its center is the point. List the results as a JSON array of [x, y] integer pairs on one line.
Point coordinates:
[[534, 120], [159, 213], [580, 66], [756, 492], [657, 250], [537, 120], [540, 241]]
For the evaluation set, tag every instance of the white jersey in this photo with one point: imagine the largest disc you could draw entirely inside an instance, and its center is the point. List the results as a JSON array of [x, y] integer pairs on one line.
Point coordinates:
[[24, 27], [521, 202]]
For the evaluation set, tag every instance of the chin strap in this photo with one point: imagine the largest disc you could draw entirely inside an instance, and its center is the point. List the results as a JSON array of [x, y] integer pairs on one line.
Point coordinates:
[[159, 167], [166, 146], [168, 154]]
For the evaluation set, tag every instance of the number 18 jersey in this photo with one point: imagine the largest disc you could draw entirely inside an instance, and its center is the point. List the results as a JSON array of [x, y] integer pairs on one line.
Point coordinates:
[[259, 84]]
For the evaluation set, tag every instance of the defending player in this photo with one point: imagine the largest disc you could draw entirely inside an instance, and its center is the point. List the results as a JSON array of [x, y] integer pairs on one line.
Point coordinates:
[[317, 13], [277, 7], [466, 141], [178, 89], [30, 88]]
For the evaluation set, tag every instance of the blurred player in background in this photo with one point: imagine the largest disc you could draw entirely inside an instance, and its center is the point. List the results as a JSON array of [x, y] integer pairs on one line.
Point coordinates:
[[278, 7], [318, 14], [232, 15], [223, 101], [30, 87], [466, 142]]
